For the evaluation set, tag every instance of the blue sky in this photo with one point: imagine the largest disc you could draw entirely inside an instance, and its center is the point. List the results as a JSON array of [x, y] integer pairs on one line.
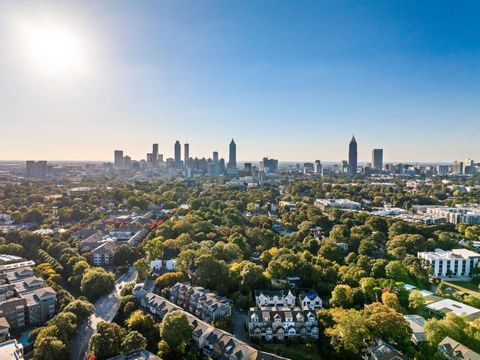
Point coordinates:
[[288, 79]]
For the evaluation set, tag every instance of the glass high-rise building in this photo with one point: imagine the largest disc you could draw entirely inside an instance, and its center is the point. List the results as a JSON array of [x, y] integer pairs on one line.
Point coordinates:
[[377, 159], [232, 155], [178, 154], [352, 155]]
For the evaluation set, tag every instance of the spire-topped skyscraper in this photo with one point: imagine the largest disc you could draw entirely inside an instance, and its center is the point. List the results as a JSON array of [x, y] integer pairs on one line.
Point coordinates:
[[352, 155], [232, 155]]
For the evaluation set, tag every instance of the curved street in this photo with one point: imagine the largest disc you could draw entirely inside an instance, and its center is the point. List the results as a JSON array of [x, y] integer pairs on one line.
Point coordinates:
[[105, 310]]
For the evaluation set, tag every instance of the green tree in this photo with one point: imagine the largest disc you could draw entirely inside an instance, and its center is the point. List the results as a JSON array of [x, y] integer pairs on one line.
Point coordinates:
[[49, 348], [96, 282], [107, 341], [81, 308], [176, 331], [416, 300], [143, 268], [342, 296], [133, 341]]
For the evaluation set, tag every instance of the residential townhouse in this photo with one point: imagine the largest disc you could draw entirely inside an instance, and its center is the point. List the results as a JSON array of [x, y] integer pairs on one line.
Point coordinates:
[[199, 301], [274, 298], [212, 342], [280, 323]]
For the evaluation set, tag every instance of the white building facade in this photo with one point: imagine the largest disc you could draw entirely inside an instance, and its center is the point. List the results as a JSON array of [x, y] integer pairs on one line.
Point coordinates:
[[456, 263]]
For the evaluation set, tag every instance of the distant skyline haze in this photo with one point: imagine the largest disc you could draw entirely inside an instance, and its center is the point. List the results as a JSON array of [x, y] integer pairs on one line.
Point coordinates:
[[287, 80]]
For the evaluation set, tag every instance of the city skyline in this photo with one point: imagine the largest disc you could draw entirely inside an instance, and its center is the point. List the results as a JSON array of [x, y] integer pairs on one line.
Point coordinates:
[[402, 76]]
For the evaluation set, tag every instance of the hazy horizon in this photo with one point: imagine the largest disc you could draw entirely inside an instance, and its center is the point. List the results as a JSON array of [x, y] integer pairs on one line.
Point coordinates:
[[287, 80]]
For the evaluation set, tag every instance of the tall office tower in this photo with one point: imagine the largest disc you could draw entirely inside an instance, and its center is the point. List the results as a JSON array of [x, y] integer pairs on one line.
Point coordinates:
[[270, 164], [377, 159], [178, 155], [149, 158], [160, 158], [155, 154], [457, 168], [247, 168], [317, 167], [469, 168], [118, 158], [186, 154], [352, 155], [36, 169], [215, 156], [232, 155]]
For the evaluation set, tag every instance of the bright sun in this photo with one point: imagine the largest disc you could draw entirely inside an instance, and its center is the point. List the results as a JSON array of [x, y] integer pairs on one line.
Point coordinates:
[[54, 49]]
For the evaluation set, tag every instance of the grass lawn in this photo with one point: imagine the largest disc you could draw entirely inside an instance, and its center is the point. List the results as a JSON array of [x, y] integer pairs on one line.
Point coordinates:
[[465, 286], [293, 351]]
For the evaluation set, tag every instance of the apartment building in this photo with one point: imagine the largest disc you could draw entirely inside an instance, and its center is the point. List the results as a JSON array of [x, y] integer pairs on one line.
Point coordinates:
[[341, 204], [11, 350], [23, 299], [279, 323], [455, 263], [199, 301]]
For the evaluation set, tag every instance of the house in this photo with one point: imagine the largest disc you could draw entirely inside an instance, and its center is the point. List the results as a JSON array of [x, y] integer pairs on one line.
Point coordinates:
[[417, 324], [453, 350], [274, 298], [380, 350], [136, 355], [279, 323], [309, 300], [199, 301], [102, 255], [160, 266]]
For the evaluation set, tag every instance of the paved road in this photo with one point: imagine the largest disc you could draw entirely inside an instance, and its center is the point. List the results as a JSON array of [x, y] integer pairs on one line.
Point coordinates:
[[105, 310], [239, 319]]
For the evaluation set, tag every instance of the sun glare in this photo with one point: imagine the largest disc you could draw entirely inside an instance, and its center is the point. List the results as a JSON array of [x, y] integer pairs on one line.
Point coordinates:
[[53, 49]]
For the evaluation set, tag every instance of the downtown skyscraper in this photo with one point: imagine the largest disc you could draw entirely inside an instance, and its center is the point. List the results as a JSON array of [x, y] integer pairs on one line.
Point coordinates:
[[377, 159], [178, 155], [232, 155], [353, 156]]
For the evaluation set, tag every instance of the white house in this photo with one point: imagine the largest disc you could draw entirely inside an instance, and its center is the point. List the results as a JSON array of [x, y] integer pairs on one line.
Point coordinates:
[[274, 298], [457, 263], [160, 265], [309, 300]]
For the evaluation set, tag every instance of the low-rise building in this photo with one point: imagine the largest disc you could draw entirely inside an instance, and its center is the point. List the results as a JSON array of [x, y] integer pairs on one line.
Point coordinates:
[[417, 324], [160, 266], [274, 298], [381, 350], [445, 306], [136, 355], [279, 323], [341, 204], [201, 302], [11, 350], [103, 254], [453, 350], [212, 342], [4, 329], [456, 263]]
